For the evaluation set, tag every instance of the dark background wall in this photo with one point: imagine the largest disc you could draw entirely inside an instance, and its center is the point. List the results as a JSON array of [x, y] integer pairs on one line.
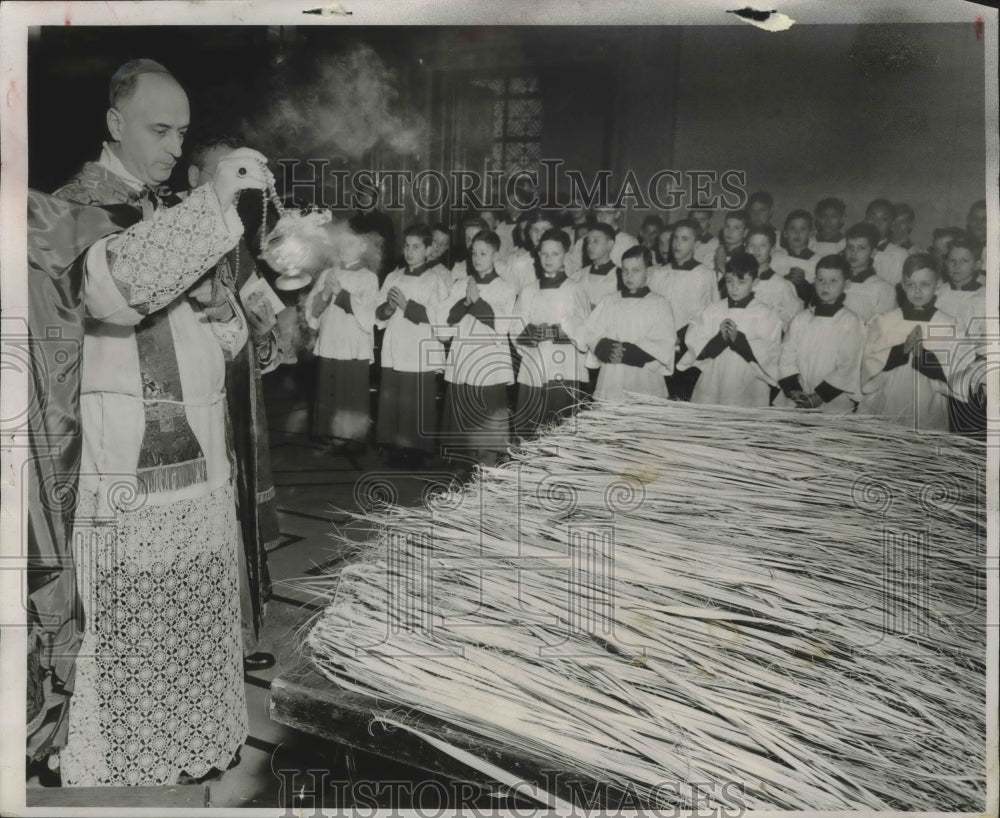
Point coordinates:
[[848, 111], [851, 111]]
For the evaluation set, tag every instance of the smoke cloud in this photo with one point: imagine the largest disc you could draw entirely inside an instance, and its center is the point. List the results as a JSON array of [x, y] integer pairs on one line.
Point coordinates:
[[338, 106]]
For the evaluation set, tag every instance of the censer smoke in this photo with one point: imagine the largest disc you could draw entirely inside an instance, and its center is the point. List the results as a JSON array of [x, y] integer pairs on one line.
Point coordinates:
[[299, 246]]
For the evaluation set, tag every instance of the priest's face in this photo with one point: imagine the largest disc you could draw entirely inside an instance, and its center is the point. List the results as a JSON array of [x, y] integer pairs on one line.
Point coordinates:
[[149, 127]]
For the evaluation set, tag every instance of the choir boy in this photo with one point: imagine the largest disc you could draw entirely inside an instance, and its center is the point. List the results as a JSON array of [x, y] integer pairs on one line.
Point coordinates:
[[631, 335], [963, 295], [829, 238], [975, 227], [523, 267], [820, 364], [888, 258], [904, 375], [801, 260], [663, 255], [549, 318], [941, 240], [964, 298], [735, 342], [410, 303], [708, 243], [440, 251], [771, 289], [472, 226], [623, 241], [734, 234], [476, 414], [902, 227], [689, 286], [341, 306], [649, 232], [867, 294], [601, 276]]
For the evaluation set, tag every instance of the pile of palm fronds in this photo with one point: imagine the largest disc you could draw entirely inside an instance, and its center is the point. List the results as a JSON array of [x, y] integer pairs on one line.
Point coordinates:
[[788, 603]]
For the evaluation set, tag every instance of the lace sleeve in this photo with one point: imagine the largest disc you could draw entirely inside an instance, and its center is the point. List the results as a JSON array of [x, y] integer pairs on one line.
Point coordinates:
[[155, 261]]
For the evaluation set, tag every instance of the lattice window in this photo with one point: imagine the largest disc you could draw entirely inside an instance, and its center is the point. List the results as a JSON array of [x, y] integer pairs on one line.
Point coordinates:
[[517, 123]]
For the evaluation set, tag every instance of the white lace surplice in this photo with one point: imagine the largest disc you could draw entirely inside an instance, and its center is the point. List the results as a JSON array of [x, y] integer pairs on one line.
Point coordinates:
[[159, 684]]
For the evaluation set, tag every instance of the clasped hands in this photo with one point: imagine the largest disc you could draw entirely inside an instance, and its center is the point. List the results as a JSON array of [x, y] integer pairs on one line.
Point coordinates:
[[396, 299], [913, 341], [536, 333]]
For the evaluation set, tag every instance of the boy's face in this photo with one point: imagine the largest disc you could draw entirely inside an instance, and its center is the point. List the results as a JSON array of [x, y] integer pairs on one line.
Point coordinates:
[[797, 234], [858, 253], [759, 247], [829, 221], [940, 246], [881, 218], [737, 287], [961, 266], [482, 256], [351, 247], [606, 215], [683, 243], [552, 255], [491, 220], [633, 273], [733, 232], [665, 242], [829, 284], [649, 234], [976, 224], [760, 214], [920, 287], [598, 246], [704, 219], [439, 244], [537, 230], [414, 251], [902, 226], [470, 233]]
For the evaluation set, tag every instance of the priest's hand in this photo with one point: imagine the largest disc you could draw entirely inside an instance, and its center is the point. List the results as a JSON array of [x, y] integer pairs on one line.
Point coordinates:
[[243, 169]]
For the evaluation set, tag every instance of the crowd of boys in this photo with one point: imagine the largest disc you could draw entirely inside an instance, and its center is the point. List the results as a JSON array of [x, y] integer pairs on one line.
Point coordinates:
[[544, 311]]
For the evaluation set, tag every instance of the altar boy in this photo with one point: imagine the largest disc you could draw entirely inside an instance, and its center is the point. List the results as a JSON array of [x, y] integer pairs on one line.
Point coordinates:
[[820, 365], [904, 376], [341, 306], [476, 415], [409, 305], [548, 328], [631, 335], [735, 342]]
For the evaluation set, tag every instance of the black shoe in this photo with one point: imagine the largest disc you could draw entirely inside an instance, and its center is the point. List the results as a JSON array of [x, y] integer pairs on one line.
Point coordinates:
[[258, 661]]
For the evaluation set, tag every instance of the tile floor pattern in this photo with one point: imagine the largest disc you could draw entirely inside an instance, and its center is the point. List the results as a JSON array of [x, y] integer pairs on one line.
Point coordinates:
[[315, 489]]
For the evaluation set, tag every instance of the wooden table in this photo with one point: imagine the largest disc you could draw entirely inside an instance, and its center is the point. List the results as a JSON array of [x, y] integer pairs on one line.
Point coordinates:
[[306, 700]]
